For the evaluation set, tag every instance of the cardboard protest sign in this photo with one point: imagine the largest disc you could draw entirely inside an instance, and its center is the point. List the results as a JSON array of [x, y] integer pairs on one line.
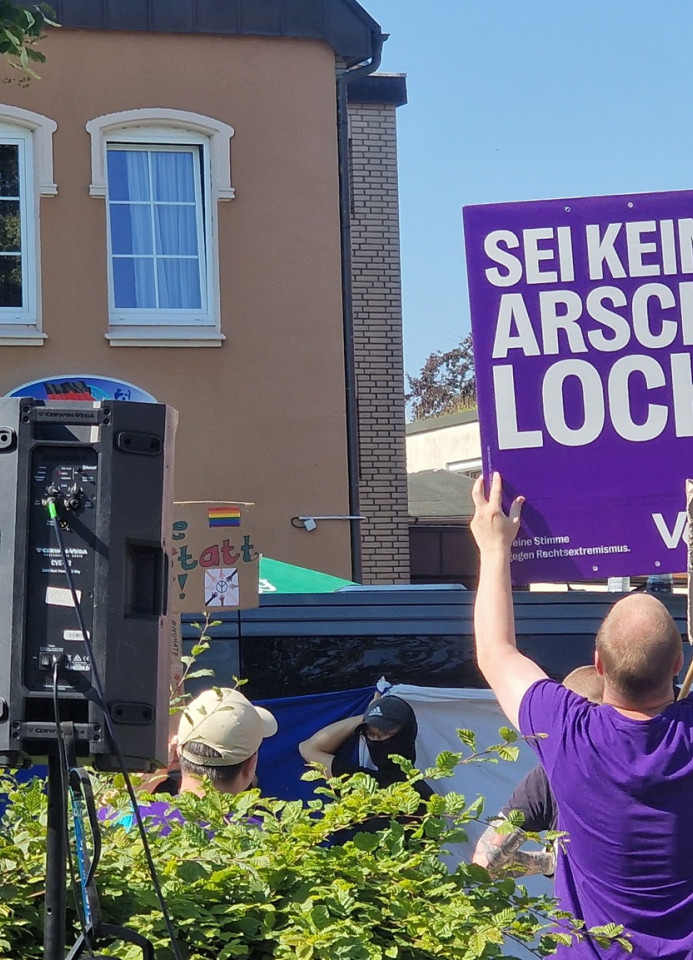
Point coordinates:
[[582, 322], [214, 567], [214, 563]]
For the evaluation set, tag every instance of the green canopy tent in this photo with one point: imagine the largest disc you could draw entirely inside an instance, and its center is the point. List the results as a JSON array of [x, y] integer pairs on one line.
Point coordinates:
[[279, 577]]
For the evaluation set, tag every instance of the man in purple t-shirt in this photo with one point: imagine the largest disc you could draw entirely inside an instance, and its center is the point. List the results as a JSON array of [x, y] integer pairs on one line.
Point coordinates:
[[622, 772]]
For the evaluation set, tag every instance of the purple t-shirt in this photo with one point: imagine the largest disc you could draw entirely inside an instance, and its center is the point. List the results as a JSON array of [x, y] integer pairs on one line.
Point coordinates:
[[624, 790], [158, 814]]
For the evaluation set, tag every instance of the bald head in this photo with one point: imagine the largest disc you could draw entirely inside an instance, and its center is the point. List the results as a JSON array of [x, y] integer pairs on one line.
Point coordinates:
[[639, 647]]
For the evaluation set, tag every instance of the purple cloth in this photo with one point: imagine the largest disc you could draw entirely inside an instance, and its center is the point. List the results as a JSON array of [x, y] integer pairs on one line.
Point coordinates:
[[624, 790], [159, 814]]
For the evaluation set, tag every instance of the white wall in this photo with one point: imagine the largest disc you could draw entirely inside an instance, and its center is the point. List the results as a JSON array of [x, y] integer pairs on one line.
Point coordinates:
[[442, 445]]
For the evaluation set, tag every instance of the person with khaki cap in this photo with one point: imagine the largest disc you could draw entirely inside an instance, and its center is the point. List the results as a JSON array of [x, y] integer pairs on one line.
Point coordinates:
[[219, 736]]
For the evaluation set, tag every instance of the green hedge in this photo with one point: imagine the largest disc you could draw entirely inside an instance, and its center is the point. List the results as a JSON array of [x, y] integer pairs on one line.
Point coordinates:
[[283, 890]]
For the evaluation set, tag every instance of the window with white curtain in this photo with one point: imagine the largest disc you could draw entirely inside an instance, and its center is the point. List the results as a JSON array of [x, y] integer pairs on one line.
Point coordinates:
[[163, 174], [157, 233]]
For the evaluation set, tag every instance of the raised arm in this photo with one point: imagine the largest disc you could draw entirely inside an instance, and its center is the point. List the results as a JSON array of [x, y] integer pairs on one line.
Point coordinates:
[[509, 672], [323, 745]]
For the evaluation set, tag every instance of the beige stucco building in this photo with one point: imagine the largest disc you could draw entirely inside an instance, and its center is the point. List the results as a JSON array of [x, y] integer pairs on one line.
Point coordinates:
[[443, 458], [449, 442], [191, 224]]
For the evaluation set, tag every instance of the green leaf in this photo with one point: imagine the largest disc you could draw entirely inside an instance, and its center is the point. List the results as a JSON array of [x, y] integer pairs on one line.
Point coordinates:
[[513, 821], [191, 870], [447, 760], [304, 951], [468, 738], [436, 804], [508, 753], [366, 841]]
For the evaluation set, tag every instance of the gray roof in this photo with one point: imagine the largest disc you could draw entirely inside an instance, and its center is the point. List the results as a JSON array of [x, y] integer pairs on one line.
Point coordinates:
[[440, 493], [444, 420], [343, 24]]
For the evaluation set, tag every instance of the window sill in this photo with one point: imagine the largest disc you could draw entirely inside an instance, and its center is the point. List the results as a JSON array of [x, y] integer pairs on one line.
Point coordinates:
[[20, 336], [151, 336]]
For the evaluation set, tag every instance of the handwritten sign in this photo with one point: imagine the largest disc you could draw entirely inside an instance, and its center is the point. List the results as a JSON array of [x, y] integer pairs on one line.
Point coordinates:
[[214, 559]]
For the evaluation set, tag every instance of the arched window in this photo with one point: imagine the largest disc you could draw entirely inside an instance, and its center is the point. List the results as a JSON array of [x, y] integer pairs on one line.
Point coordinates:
[[26, 174], [162, 173]]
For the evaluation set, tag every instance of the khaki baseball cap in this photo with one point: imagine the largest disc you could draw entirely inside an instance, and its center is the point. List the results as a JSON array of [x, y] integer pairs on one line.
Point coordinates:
[[228, 722]]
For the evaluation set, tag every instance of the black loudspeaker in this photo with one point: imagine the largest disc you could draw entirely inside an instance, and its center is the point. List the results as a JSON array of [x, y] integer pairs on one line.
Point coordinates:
[[108, 467]]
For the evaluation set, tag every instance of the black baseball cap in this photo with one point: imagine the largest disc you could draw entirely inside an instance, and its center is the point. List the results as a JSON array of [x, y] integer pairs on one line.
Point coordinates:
[[388, 714]]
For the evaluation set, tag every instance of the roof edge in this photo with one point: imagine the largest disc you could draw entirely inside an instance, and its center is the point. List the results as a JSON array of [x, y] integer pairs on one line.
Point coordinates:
[[385, 88], [445, 420], [343, 24]]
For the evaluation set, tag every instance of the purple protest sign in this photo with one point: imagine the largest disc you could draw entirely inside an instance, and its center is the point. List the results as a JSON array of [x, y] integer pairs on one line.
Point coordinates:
[[582, 322]]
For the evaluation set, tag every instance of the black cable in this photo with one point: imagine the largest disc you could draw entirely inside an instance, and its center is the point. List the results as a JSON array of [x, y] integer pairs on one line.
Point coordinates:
[[64, 769], [50, 503]]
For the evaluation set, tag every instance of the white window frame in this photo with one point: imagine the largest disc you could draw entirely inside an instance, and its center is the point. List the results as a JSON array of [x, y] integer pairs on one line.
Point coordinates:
[[153, 317], [470, 468], [32, 133], [161, 128]]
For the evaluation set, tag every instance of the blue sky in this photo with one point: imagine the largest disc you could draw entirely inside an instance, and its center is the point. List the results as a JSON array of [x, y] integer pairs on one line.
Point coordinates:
[[525, 100]]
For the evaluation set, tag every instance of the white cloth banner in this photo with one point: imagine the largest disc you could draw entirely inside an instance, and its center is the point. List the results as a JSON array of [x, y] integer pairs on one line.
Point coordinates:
[[440, 712]]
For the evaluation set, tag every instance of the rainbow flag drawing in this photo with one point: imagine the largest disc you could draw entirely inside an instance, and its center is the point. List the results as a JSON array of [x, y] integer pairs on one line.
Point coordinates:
[[224, 517]]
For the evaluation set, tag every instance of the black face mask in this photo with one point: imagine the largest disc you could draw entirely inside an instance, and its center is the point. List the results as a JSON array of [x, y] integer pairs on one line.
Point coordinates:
[[402, 743]]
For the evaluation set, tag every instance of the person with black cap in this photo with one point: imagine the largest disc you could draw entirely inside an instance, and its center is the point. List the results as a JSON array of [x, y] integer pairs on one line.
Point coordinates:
[[388, 728]]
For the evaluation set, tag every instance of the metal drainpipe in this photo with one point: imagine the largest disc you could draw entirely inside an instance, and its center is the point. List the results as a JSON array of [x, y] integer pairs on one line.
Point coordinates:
[[362, 70]]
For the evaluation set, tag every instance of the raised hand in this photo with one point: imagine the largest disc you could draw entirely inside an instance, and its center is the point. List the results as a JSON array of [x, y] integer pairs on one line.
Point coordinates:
[[494, 530]]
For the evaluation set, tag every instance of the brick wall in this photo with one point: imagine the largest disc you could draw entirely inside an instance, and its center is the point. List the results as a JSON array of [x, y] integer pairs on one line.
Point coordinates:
[[377, 307]]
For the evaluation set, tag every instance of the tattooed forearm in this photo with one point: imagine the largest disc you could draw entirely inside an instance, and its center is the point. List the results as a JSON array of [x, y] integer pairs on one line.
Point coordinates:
[[501, 851], [531, 862], [495, 849]]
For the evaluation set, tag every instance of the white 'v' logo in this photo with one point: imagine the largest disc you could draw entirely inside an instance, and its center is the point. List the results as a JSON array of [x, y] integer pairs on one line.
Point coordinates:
[[673, 537]]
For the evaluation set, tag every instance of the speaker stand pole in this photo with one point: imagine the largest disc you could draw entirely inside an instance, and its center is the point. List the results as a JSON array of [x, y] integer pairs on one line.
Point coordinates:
[[56, 839]]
